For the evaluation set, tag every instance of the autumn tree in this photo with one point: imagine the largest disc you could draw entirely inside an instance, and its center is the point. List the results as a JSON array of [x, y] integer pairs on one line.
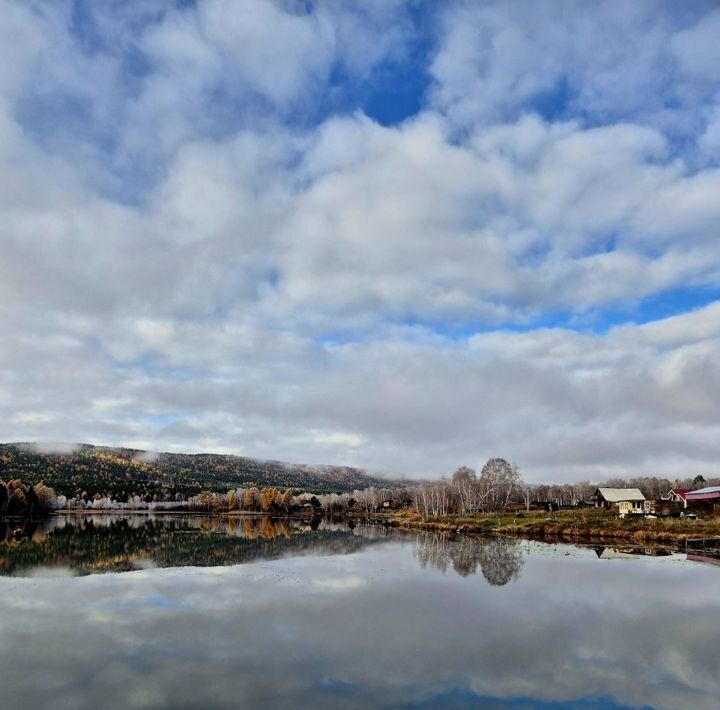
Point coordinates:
[[464, 481], [232, 502], [270, 499], [17, 502], [207, 501], [499, 480], [287, 499], [251, 499]]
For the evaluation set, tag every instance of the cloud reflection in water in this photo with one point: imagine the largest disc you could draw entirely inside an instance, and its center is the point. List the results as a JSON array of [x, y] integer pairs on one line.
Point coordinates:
[[508, 625]]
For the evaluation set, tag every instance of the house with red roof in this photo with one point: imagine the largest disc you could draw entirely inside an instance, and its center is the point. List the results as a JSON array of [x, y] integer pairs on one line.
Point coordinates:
[[677, 495], [706, 499]]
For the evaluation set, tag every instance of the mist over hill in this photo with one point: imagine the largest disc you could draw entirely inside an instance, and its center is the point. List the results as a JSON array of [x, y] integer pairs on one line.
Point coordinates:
[[118, 472]]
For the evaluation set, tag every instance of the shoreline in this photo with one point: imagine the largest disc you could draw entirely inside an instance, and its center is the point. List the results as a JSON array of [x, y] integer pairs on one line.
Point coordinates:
[[562, 527]]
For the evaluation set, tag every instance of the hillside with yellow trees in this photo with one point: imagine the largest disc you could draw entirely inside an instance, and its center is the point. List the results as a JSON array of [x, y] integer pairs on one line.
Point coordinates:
[[89, 471]]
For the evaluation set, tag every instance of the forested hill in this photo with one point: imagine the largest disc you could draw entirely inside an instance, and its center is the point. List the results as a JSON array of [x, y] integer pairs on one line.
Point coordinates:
[[121, 472]]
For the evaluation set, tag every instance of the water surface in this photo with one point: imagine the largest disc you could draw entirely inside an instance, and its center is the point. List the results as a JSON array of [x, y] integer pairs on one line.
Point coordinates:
[[212, 613]]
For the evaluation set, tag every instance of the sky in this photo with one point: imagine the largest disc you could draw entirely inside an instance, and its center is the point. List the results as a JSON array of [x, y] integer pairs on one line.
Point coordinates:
[[405, 236]]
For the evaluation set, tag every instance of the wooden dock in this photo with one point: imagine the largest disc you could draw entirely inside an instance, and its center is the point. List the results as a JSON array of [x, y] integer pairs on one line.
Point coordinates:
[[702, 543], [703, 549]]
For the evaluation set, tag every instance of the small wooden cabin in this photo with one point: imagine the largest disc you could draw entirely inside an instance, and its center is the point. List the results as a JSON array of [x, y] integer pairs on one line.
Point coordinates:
[[625, 500]]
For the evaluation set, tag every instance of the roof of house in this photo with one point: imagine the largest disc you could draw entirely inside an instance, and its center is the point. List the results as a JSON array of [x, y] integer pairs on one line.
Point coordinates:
[[615, 495], [680, 491], [704, 493]]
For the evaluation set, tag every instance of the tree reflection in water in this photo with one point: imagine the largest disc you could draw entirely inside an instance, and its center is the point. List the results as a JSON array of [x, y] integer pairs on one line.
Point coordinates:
[[108, 543], [500, 560], [88, 544]]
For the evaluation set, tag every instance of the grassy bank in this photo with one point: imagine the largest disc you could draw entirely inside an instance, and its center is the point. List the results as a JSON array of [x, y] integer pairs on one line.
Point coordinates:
[[585, 526]]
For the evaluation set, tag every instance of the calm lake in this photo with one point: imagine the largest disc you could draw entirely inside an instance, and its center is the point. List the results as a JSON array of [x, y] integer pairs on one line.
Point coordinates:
[[136, 612]]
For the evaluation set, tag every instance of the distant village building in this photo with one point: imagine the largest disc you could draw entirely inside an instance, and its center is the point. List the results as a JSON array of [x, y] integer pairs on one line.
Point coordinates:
[[705, 499], [626, 500], [677, 495], [549, 505], [673, 503]]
